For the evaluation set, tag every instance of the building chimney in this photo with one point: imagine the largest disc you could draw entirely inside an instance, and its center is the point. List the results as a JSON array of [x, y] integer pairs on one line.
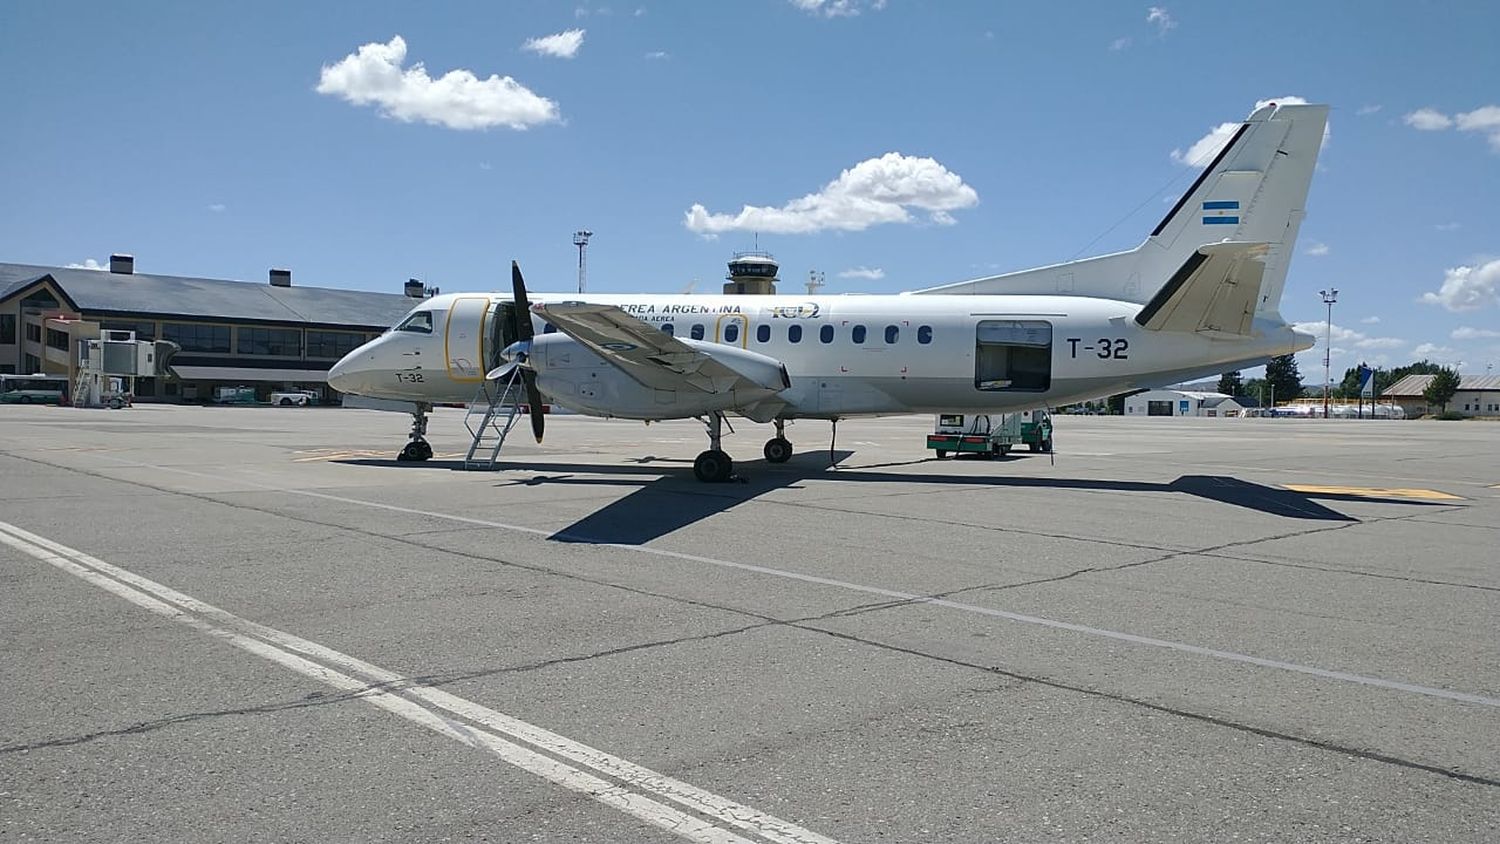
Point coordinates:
[[415, 289], [281, 278], [122, 264]]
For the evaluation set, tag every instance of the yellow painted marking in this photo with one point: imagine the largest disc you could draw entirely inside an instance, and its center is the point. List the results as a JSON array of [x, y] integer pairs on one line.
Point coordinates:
[[1374, 492]]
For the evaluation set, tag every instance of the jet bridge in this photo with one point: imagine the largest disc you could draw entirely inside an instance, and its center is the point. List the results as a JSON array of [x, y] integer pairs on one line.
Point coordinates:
[[109, 365]]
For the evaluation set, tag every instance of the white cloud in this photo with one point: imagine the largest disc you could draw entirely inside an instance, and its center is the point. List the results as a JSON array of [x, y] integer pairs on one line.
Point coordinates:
[[88, 264], [1484, 120], [485, 165], [838, 8], [217, 207], [1347, 337], [1119, 44], [458, 99], [1160, 17], [1205, 148], [871, 273], [1428, 120], [1366, 111], [872, 192], [1317, 249], [1464, 332], [1371, 320], [1448, 227], [562, 45], [658, 54], [1433, 350], [1468, 288], [640, 11]]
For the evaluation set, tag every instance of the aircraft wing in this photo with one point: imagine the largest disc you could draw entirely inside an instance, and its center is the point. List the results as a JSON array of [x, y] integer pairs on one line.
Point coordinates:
[[657, 359], [1214, 292]]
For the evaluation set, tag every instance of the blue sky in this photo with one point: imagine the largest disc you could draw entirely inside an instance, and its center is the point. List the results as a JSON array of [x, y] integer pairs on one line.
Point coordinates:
[[1004, 136]]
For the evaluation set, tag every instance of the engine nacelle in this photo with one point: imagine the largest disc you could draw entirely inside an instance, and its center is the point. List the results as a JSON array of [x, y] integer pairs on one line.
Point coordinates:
[[575, 377]]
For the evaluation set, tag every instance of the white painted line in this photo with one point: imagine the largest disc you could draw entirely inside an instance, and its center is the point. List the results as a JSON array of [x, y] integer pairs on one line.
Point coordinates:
[[396, 698], [1231, 656]]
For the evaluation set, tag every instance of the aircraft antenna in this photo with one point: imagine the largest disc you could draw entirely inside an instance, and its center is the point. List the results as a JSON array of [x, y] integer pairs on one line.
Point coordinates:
[[581, 240]]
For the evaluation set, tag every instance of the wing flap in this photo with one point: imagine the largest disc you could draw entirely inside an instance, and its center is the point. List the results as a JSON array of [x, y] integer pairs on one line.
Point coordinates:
[[1214, 292]]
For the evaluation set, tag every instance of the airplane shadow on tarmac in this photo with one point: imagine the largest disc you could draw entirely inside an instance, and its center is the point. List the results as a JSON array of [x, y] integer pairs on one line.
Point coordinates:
[[668, 498]]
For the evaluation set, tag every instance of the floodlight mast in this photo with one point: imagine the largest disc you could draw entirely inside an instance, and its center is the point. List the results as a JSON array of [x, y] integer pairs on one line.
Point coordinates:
[[581, 240], [1330, 296]]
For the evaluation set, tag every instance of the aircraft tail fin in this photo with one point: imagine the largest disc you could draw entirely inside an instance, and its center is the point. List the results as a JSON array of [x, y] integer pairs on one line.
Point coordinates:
[[1253, 191]]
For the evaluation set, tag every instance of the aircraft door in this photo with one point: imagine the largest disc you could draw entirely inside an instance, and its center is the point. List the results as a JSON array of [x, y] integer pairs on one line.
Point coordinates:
[[499, 332], [1013, 355], [463, 338]]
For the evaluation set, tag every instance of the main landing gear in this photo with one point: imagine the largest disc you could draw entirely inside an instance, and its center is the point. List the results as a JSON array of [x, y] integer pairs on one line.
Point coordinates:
[[778, 449], [417, 449], [714, 466]]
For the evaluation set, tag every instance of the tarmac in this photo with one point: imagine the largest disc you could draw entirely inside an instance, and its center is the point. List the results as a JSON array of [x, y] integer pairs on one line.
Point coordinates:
[[252, 624]]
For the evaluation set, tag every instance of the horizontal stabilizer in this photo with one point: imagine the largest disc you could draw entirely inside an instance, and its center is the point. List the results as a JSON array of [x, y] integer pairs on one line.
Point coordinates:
[[1214, 292]]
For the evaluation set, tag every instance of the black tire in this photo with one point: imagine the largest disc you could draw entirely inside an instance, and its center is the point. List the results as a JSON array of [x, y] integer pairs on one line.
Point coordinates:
[[942, 453], [1034, 446], [713, 467], [25, 399], [778, 450], [424, 450], [1047, 446], [285, 402]]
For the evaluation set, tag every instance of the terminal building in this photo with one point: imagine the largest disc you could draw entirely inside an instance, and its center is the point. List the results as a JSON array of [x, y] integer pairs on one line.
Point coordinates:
[[266, 336]]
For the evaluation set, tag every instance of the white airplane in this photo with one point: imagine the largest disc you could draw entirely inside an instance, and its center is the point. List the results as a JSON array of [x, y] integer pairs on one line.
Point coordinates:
[[1200, 296]]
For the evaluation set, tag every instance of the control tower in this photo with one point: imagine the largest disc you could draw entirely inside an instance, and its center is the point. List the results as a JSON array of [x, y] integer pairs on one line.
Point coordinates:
[[752, 273]]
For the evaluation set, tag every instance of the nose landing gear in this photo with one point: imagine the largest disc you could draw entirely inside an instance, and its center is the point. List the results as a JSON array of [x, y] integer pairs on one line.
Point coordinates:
[[714, 466], [417, 449]]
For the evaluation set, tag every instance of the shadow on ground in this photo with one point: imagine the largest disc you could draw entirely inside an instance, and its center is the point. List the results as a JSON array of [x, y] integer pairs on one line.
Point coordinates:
[[667, 498]]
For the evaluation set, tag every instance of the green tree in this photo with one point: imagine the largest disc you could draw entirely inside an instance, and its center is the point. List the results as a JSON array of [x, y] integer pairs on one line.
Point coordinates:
[[1230, 384], [1256, 387], [1441, 388], [1283, 381]]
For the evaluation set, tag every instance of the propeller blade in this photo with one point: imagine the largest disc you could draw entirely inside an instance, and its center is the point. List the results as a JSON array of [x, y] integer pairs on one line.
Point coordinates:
[[522, 306], [534, 402], [499, 372]]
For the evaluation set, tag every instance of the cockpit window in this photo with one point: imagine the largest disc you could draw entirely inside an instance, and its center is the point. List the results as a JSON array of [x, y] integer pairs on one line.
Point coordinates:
[[419, 321]]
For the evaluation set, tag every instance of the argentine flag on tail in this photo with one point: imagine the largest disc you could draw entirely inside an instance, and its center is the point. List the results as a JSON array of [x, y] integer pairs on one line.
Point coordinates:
[[1221, 212]]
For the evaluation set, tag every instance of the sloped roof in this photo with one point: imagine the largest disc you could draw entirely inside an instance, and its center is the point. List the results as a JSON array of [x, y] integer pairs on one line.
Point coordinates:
[[203, 298], [1416, 385]]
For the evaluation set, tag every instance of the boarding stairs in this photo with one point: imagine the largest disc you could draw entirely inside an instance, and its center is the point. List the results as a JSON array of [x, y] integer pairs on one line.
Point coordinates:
[[495, 407]]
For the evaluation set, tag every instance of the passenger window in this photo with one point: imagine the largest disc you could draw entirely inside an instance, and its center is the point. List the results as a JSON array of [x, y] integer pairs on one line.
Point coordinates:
[[732, 332], [668, 329], [420, 322], [858, 334], [924, 334], [763, 333], [826, 334], [549, 328], [891, 333], [697, 331], [794, 333]]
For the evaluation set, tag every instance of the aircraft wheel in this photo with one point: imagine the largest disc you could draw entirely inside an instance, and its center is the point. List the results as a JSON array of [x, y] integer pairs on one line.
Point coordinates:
[[415, 451], [778, 450], [713, 467]]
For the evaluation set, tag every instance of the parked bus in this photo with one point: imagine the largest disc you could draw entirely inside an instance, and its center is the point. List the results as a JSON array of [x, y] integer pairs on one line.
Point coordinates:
[[33, 389]]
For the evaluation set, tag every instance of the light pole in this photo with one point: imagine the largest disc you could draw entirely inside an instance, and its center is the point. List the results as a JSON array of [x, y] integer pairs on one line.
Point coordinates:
[[581, 240], [1330, 296]]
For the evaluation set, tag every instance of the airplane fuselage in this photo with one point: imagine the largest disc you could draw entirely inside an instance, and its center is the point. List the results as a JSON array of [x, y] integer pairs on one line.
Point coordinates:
[[845, 355]]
